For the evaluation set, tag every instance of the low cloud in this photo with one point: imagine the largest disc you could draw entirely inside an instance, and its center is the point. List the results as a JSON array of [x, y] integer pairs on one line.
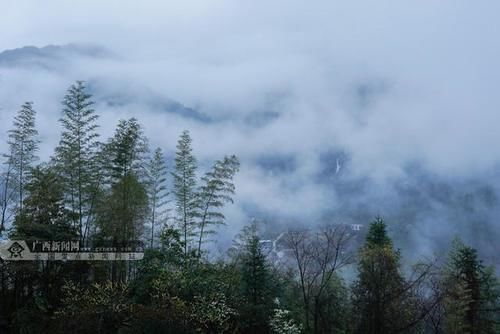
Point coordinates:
[[380, 87]]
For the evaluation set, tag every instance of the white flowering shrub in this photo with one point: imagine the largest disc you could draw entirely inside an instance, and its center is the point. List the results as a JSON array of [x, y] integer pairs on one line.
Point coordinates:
[[282, 323], [212, 314]]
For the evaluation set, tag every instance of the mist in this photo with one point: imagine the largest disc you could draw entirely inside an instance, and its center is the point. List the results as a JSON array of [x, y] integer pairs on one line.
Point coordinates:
[[338, 111]]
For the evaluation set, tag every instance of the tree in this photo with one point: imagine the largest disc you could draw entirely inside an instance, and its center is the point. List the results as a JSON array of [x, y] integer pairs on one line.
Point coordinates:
[[157, 191], [76, 155], [381, 297], [23, 147], [472, 295], [100, 308], [257, 285], [216, 190], [125, 152], [123, 209], [282, 323], [44, 215], [187, 200], [212, 314], [318, 256]]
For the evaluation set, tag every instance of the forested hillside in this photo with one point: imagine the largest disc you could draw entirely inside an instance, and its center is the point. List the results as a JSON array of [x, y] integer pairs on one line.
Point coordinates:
[[324, 278]]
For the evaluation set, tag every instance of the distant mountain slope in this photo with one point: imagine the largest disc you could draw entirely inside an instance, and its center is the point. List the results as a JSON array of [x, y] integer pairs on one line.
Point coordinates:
[[49, 57], [57, 58], [421, 208]]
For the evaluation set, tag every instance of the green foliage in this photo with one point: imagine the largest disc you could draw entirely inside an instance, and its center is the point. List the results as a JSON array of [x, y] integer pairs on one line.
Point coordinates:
[[216, 190], [472, 299], [258, 288], [379, 292], [23, 147], [44, 216], [282, 323], [186, 198], [100, 308], [112, 192], [124, 210], [333, 307], [125, 152], [157, 192], [377, 234], [199, 207], [318, 255], [212, 314], [109, 192], [171, 244], [120, 219], [153, 266], [76, 156]]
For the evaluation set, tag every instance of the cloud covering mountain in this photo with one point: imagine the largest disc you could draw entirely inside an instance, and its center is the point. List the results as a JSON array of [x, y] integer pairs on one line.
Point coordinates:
[[338, 110]]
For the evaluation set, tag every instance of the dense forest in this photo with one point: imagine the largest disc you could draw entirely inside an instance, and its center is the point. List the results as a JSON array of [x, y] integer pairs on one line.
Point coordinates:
[[328, 279]]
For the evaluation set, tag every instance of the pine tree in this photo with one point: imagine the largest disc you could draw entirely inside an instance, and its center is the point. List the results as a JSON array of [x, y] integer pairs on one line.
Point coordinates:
[[216, 190], [472, 294], [23, 147], [378, 292], [258, 288], [76, 155], [187, 200], [157, 191]]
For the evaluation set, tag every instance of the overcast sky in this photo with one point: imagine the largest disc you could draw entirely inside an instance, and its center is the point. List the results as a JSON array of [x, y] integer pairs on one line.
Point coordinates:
[[389, 82]]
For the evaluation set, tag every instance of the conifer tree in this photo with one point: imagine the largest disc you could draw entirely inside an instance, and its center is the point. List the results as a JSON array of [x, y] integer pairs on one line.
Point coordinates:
[[216, 190], [76, 155], [186, 197], [472, 294], [258, 288], [379, 291], [157, 191]]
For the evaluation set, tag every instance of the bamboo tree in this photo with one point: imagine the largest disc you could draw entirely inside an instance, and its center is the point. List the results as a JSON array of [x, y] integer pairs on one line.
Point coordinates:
[[157, 190], [216, 191], [187, 203], [123, 210], [126, 151], [76, 155], [44, 215], [23, 147], [8, 193], [125, 165]]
